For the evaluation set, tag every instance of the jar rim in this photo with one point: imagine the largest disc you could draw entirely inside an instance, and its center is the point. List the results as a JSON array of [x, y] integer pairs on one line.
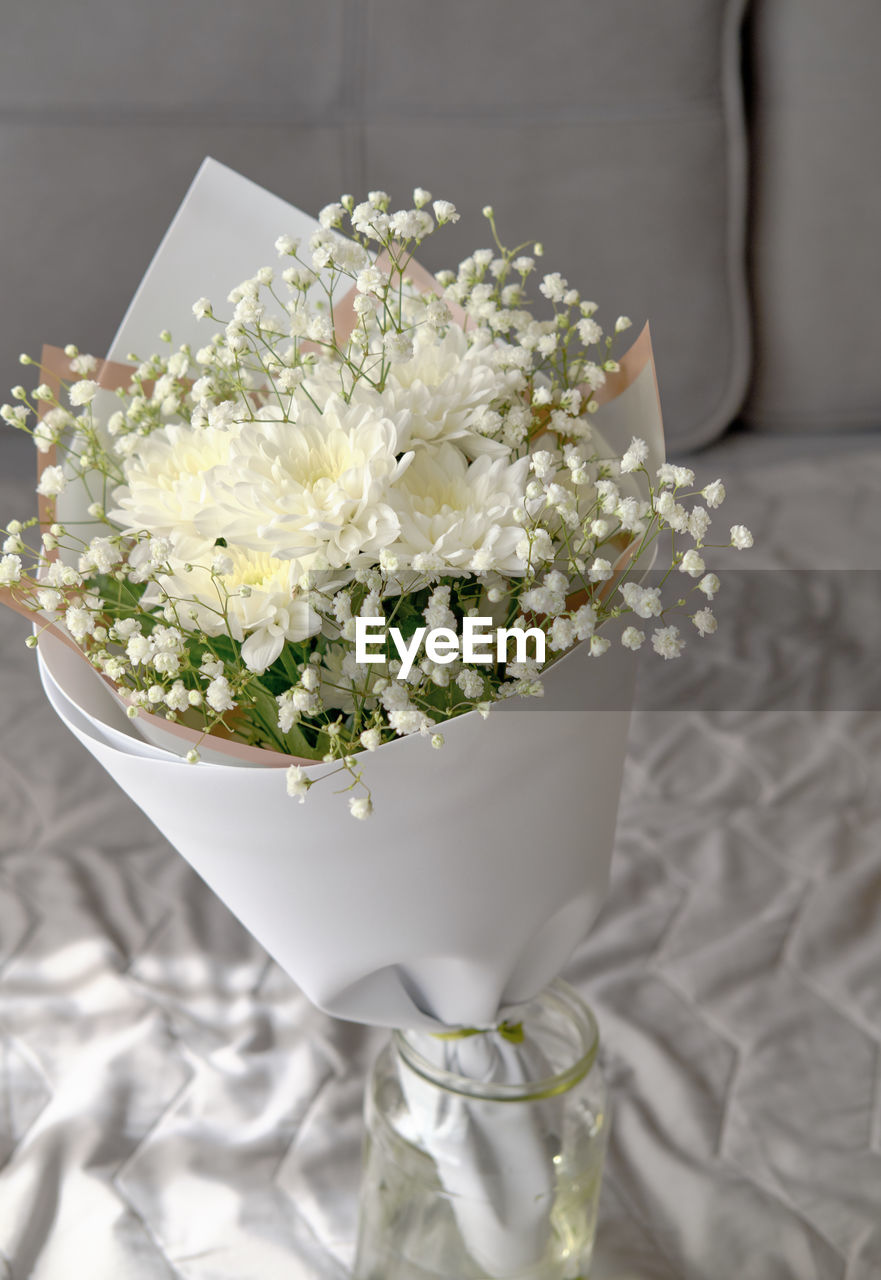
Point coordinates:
[[563, 999]]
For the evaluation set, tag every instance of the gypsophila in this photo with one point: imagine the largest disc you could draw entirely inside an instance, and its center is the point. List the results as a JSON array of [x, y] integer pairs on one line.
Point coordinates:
[[421, 462]]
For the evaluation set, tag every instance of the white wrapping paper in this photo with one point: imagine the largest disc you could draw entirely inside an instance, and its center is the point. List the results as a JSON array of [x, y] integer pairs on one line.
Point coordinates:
[[480, 870], [503, 1192]]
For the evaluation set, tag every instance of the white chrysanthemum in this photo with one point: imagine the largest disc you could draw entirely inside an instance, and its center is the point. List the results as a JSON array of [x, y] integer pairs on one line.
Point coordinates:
[[315, 491], [459, 516], [330, 377], [270, 612], [166, 478], [444, 388]]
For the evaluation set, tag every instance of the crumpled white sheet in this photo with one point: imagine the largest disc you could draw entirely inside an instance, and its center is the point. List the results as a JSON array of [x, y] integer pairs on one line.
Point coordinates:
[[171, 1106]]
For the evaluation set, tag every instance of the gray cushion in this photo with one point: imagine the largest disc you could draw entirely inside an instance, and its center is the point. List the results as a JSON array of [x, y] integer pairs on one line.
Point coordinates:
[[816, 267], [610, 129], [106, 112]]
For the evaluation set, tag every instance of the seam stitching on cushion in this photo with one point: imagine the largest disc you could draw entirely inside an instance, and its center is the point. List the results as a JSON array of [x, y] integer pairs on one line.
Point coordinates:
[[350, 114], [715, 423]]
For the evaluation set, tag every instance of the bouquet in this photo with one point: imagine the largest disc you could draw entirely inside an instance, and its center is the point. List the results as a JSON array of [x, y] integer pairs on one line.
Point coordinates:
[[344, 519], [379, 531]]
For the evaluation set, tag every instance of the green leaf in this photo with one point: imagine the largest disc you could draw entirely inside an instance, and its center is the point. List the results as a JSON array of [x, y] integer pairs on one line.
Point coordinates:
[[119, 595], [266, 708], [297, 745], [290, 665]]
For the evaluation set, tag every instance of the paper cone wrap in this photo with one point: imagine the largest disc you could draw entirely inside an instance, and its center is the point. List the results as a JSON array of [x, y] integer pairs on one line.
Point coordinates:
[[503, 1193], [481, 868]]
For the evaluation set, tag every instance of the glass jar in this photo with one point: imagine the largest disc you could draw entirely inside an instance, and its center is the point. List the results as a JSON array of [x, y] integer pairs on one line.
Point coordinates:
[[484, 1150]]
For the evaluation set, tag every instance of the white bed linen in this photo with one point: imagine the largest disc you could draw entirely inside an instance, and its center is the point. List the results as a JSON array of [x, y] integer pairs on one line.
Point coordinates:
[[171, 1106]]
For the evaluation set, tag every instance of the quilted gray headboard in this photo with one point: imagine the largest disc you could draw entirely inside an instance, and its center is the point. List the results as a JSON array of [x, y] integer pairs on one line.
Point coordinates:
[[609, 129]]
